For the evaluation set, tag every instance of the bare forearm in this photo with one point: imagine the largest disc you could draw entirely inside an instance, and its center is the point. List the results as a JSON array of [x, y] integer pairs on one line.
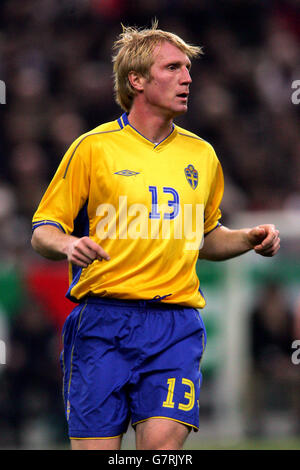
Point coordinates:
[[222, 244], [50, 242], [53, 244]]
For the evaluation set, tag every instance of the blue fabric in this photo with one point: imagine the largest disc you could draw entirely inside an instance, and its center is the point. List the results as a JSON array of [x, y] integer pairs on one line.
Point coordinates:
[[118, 357]]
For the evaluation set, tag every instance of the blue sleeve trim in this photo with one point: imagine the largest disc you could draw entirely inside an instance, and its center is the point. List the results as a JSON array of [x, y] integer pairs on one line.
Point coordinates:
[[218, 225], [47, 222]]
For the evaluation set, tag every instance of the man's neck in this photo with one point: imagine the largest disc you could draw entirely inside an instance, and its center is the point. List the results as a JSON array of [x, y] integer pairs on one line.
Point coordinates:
[[154, 127]]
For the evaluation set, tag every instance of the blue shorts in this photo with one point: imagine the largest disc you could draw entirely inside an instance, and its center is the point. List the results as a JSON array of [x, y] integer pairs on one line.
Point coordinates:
[[130, 360]]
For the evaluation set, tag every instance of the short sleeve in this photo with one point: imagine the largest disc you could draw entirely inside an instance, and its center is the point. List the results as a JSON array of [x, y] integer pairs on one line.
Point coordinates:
[[68, 190], [212, 213]]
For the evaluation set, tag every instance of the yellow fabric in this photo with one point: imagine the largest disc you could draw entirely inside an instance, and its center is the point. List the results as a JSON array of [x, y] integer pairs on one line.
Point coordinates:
[[112, 177]]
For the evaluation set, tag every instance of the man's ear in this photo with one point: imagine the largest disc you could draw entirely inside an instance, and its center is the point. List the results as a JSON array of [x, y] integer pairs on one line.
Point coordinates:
[[136, 81]]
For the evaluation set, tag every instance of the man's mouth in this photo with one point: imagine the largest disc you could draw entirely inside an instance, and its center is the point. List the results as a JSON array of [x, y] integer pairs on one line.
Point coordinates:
[[183, 95]]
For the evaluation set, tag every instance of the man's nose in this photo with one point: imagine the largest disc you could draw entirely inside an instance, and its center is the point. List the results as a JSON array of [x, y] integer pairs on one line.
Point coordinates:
[[186, 77]]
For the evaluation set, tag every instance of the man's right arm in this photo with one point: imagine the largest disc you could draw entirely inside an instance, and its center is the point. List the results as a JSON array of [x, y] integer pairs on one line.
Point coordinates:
[[50, 242]]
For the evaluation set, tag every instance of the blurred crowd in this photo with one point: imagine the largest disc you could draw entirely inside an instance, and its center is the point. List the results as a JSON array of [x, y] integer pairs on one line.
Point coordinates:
[[273, 383], [55, 59]]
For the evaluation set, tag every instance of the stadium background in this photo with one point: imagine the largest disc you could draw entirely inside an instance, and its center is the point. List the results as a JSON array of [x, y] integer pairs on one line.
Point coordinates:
[[55, 62]]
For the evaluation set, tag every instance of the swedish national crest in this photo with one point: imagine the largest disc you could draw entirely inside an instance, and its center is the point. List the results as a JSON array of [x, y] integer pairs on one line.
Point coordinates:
[[191, 175]]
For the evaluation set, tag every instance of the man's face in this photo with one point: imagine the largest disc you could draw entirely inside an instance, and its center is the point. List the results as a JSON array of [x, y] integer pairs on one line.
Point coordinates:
[[166, 92]]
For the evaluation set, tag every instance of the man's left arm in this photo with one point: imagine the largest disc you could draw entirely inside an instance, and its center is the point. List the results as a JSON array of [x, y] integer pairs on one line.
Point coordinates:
[[223, 243]]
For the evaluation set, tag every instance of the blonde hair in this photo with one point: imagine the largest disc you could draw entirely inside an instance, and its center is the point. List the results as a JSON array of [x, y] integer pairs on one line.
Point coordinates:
[[135, 53]]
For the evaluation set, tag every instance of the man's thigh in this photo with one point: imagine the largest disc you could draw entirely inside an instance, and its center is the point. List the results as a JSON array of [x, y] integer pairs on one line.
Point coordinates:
[[96, 444], [158, 433]]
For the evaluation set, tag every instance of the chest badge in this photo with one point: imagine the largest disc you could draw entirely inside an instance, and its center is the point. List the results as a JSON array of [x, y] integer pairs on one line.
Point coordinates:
[[191, 175]]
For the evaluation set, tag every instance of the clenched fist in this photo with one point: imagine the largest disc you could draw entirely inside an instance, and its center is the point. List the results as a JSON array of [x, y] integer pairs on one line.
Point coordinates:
[[264, 239]]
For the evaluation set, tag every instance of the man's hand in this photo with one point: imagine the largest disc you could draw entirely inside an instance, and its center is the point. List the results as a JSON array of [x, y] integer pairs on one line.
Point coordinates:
[[264, 239], [223, 243], [52, 243], [83, 251]]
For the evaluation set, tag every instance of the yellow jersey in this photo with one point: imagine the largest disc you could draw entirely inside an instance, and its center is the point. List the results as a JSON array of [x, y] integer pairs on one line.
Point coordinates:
[[147, 204]]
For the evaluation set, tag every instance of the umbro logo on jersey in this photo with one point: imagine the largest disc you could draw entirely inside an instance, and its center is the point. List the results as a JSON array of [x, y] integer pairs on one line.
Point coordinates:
[[127, 173], [191, 175]]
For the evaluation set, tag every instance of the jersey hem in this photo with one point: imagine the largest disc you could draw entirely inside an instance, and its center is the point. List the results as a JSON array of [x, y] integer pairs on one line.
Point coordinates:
[[141, 303]]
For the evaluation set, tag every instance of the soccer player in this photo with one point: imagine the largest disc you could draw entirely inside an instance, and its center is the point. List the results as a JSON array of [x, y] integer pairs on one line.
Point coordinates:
[[132, 206]]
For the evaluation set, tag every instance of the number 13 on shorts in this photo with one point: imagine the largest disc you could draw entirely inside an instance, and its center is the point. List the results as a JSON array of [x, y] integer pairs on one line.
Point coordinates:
[[189, 395]]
